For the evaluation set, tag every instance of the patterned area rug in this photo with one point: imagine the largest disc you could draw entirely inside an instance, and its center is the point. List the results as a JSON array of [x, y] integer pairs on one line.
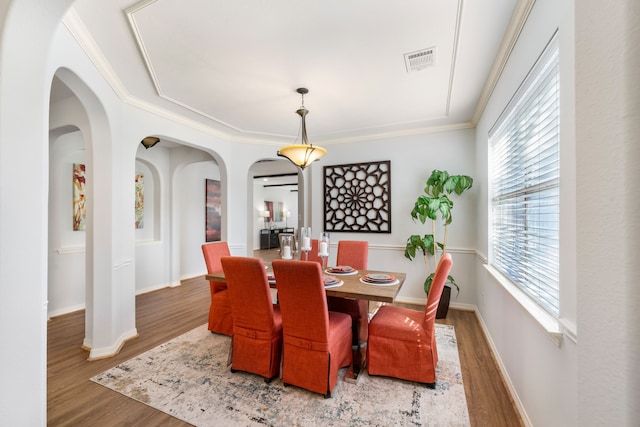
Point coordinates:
[[188, 378]]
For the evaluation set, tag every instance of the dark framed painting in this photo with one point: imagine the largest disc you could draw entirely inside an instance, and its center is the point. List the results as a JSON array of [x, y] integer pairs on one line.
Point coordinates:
[[358, 197], [212, 211]]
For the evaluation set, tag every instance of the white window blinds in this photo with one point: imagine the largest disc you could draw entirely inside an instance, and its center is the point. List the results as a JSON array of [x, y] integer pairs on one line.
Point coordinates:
[[524, 165]]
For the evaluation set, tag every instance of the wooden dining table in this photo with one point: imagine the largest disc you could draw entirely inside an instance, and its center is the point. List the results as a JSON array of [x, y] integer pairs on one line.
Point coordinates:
[[353, 288]]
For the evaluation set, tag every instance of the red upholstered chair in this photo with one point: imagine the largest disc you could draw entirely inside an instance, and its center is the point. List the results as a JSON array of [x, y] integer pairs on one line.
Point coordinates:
[[316, 342], [402, 342], [355, 254], [257, 324], [313, 255], [220, 320]]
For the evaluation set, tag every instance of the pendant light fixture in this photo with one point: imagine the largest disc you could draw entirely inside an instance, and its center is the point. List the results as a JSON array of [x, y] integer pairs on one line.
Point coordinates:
[[302, 155]]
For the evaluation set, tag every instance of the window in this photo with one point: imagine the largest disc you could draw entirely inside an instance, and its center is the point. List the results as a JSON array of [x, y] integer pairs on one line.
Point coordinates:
[[524, 164]]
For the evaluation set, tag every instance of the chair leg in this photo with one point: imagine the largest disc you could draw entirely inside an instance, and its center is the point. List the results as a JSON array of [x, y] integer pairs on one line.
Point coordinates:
[[328, 395], [268, 380]]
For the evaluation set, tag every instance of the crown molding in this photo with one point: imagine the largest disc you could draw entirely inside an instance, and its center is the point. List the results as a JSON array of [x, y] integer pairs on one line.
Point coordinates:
[[81, 34], [516, 24], [83, 37]]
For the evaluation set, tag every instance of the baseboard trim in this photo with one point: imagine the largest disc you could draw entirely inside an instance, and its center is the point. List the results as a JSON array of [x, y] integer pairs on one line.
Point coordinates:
[[65, 310], [503, 371], [105, 352], [492, 348]]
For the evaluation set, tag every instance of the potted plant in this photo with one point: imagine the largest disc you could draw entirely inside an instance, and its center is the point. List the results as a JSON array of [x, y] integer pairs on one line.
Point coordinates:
[[433, 204]]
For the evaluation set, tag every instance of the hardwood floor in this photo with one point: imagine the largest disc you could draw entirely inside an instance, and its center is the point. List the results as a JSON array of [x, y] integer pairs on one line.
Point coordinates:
[[73, 400]]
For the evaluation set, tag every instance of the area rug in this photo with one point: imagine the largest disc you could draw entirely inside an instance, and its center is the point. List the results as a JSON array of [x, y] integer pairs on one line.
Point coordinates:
[[188, 378]]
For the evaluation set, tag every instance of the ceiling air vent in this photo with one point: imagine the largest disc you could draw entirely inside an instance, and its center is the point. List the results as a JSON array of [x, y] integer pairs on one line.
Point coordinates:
[[420, 59]]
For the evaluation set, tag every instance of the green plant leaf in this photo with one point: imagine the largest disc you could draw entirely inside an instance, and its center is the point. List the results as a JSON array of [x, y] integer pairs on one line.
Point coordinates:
[[415, 242], [451, 183], [451, 281], [445, 205], [464, 183], [427, 243], [435, 183], [421, 209], [427, 283]]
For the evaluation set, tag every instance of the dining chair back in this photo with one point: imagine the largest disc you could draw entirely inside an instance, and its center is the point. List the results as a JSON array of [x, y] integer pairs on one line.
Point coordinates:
[[316, 342], [402, 341], [220, 320], [257, 324], [353, 253], [313, 255]]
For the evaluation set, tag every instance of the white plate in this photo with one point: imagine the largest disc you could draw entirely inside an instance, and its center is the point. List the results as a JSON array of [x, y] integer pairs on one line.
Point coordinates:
[[329, 280], [385, 283], [379, 277], [341, 273], [334, 285]]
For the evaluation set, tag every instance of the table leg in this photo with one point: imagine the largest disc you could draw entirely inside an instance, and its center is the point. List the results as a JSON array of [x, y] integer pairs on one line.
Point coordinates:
[[359, 363]]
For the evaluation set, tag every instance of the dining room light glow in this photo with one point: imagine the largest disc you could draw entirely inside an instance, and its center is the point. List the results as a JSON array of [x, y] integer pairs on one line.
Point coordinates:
[[302, 155]]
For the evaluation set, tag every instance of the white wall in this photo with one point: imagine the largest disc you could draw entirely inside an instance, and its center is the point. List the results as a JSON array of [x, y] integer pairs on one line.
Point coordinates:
[[24, 52], [192, 197], [542, 374], [412, 157], [608, 211]]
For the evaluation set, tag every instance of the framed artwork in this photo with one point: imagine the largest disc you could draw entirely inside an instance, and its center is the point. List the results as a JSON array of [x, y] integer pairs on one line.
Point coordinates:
[[212, 211], [139, 202], [268, 206], [275, 209], [358, 197], [79, 201]]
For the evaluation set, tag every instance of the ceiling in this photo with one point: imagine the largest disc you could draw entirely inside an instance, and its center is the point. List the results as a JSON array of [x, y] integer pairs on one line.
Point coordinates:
[[233, 67]]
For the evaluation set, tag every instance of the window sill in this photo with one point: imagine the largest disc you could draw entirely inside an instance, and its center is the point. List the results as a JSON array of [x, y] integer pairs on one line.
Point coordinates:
[[549, 324]]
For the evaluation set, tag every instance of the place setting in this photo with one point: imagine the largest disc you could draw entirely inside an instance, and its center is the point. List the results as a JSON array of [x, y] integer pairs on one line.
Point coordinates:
[[343, 270], [331, 282], [379, 279]]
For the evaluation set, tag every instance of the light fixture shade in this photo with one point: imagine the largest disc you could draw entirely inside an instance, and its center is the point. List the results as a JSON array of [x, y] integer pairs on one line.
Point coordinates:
[[302, 155], [264, 214]]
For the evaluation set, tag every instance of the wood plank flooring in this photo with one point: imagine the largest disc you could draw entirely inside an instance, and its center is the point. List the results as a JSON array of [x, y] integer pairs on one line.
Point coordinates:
[[73, 400]]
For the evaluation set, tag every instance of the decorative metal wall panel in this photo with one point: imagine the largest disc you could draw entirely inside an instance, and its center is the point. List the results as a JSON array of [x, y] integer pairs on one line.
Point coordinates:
[[358, 197]]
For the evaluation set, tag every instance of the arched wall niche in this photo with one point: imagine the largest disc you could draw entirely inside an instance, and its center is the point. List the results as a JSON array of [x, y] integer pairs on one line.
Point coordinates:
[[66, 284], [149, 230], [179, 192]]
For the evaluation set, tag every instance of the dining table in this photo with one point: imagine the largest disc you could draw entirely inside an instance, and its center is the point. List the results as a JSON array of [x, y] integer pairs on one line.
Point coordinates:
[[356, 284]]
